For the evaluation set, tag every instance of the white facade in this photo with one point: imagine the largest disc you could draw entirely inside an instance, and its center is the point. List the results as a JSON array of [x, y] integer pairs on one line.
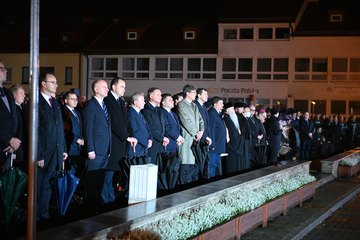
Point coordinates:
[[288, 71]]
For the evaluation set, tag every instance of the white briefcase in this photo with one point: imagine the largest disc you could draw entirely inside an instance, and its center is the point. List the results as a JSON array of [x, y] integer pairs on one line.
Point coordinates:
[[143, 183]]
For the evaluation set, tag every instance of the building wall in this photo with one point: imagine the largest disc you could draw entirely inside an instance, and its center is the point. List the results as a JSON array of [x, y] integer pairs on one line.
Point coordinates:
[[17, 61]]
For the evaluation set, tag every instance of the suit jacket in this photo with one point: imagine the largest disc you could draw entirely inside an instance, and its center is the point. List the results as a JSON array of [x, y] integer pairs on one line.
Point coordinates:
[[218, 131], [73, 130], [155, 121], [97, 134], [273, 131], [139, 130], [172, 129], [51, 141], [9, 123], [205, 116], [119, 129], [191, 123], [306, 127]]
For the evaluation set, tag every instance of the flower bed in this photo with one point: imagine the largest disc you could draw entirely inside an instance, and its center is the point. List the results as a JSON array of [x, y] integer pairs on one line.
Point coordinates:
[[348, 167], [226, 216]]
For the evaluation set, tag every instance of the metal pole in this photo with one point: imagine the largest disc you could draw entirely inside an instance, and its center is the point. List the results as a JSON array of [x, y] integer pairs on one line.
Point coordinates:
[[33, 127]]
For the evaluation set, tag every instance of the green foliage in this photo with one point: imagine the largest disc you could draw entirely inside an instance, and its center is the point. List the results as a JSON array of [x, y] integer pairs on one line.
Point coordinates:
[[205, 216], [350, 162]]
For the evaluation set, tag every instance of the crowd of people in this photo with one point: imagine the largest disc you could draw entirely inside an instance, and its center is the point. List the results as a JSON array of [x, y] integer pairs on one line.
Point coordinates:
[[91, 137]]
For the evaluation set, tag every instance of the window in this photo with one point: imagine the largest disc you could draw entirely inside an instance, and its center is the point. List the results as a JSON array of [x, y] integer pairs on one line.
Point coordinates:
[[354, 68], [136, 68], [229, 68], [8, 76], [319, 69], [264, 68], [201, 68], [132, 36], [339, 68], [265, 33], [246, 33], [311, 69], [280, 104], [282, 33], [25, 75], [262, 103], [338, 107], [189, 35], [338, 17], [301, 105], [354, 107], [168, 68], [245, 68], [318, 106], [68, 75], [276, 69], [104, 67], [281, 68], [237, 68], [230, 34]]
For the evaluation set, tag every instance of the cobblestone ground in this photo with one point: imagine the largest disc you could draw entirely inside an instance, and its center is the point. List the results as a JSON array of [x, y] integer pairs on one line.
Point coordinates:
[[342, 224]]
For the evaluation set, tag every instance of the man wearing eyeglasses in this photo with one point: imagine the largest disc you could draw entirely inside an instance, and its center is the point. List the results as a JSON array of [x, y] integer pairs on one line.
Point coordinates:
[[51, 144], [73, 131], [9, 141]]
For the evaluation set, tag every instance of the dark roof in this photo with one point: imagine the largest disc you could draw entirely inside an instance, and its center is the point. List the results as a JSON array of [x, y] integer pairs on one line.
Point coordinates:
[[315, 21], [158, 37], [15, 38]]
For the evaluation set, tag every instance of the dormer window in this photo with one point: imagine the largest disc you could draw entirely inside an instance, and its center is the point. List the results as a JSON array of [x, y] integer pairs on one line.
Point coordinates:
[[336, 17], [132, 36], [189, 34]]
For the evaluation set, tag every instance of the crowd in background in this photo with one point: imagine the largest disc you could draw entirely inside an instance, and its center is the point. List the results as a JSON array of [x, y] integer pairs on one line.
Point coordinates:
[[92, 136]]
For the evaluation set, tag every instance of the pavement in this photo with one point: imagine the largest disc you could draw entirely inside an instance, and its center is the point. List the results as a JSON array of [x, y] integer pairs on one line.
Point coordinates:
[[334, 213]]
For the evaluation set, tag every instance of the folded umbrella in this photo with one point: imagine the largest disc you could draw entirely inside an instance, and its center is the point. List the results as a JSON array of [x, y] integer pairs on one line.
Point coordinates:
[[162, 163], [201, 157], [173, 169], [12, 185], [65, 184], [259, 154]]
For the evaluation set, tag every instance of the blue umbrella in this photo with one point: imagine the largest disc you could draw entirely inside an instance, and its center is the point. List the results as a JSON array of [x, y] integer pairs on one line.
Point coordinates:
[[65, 184]]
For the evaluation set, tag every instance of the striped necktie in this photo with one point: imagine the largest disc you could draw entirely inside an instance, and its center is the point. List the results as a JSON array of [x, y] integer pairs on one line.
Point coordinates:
[[106, 113]]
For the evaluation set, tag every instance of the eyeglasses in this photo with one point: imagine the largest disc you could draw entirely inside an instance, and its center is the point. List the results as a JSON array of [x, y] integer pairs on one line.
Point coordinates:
[[74, 99], [3, 69], [52, 82]]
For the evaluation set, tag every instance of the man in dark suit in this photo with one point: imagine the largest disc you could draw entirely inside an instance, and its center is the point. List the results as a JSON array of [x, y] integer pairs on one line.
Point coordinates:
[[155, 121], [51, 145], [306, 131], [138, 126], [274, 131], [97, 135], [22, 114], [172, 124], [9, 139], [201, 99], [218, 131], [73, 131], [119, 134]]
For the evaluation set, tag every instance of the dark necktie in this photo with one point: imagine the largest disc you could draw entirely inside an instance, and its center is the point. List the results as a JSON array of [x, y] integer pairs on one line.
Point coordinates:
[[51, 103], [75, 114], [106, 113]]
